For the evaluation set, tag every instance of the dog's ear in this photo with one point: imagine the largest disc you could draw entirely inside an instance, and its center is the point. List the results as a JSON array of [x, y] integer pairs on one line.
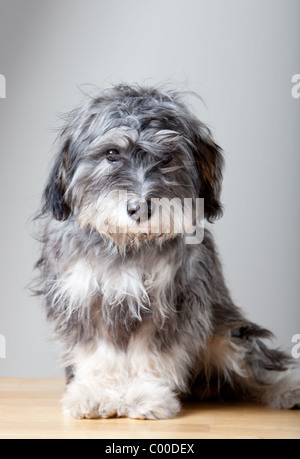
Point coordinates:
[[72, 140], [54, 194], [209, 163]]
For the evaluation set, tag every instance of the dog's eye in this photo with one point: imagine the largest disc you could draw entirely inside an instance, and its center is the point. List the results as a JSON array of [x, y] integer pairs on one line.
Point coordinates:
[[167, 159], [112, 155]]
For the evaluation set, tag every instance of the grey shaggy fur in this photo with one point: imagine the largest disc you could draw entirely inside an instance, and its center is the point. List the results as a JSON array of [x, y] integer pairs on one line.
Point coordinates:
[[156, 306]]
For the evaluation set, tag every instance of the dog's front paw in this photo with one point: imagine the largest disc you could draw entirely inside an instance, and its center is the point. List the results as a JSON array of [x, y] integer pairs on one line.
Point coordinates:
[[80, 403], [154, 409], [149, 401]]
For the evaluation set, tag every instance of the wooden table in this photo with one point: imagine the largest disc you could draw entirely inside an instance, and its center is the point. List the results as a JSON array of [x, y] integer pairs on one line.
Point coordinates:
[[30, 408]]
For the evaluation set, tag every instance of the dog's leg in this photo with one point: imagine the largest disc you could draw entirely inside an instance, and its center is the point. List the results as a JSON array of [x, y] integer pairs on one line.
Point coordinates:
[[161, 363], [111, 382], [156, 379], [139, 382], [101, 378], [238, 364]]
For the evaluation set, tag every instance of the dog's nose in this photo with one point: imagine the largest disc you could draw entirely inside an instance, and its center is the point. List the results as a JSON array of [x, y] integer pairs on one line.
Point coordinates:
[[139, 209], [133, 207]]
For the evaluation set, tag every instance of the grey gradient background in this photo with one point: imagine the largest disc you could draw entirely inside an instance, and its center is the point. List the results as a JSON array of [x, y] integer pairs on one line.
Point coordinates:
[[239, 55]]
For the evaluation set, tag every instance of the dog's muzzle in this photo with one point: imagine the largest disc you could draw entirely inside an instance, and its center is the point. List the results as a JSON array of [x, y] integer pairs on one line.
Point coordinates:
[[140, 209]]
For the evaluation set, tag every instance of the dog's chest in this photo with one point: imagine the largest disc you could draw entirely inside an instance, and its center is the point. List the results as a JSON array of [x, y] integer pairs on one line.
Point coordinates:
[[114, 281], [134, 293], [135, 281]]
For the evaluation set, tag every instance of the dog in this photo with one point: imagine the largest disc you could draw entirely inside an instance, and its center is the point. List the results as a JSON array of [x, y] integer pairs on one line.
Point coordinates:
[[141, 309]]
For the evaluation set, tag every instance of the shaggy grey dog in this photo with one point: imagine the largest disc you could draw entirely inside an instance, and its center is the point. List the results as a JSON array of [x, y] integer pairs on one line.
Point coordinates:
[[141, 309]]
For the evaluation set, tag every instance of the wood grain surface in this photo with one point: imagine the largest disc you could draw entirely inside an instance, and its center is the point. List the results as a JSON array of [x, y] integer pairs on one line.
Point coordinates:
[[30, 408]]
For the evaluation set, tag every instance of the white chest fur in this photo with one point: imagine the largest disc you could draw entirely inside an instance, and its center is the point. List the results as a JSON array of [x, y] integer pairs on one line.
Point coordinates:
[[137, 281]]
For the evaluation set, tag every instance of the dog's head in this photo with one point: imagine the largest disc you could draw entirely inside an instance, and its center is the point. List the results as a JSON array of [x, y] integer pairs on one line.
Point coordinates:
[[125, 156]]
